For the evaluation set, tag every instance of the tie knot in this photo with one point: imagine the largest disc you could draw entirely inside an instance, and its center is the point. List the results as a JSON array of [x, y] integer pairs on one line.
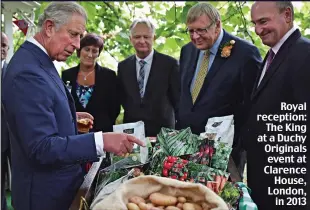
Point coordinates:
[[142, 62], [207, 53]]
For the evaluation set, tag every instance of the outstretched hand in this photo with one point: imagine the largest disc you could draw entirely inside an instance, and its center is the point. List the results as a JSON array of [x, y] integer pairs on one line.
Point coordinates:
[[120, 143]]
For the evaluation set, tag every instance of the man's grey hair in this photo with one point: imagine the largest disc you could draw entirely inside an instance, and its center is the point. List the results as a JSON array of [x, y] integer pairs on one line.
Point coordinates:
[[201, 9], [60, 13], [145, 21], [282, 5]]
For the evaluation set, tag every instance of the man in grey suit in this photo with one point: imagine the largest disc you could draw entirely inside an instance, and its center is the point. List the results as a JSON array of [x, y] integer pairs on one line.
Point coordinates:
[[5, 143]]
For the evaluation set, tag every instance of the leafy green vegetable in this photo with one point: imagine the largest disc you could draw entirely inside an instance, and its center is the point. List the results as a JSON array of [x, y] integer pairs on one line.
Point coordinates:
[[230, 193]]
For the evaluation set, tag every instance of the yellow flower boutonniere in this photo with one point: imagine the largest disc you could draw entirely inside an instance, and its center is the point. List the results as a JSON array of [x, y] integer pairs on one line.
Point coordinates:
[[226, 49]]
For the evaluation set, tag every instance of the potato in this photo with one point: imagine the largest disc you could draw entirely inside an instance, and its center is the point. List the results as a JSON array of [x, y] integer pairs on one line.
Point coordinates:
[[163, 200], [182, 199], [154, 208], [136, 200], [132, 206], [191, 206], [161, 207], [149, 205], [172, 208], [188, 206], [180, 205], [143, 206], [197, 207]]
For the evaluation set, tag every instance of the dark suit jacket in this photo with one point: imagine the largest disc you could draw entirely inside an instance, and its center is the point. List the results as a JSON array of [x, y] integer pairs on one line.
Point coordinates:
[[5, 142], [287, 80], [5, 145], [46, 152], [226, 89], [104, 103], [159, 105]]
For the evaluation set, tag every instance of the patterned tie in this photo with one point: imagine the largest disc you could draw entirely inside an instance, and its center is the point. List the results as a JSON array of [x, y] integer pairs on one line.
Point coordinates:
[[269, 58], [203, 70], [141, 77]]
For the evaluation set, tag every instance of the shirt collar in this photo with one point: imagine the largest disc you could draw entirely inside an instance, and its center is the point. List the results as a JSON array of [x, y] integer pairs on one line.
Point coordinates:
[[217, 43], [2, 63], [35, 42], [277, 47], [147, 58]]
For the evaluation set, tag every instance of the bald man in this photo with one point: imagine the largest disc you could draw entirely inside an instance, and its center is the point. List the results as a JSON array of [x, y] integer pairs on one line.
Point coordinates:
[[5, 143], [284, 79], [4, 52]]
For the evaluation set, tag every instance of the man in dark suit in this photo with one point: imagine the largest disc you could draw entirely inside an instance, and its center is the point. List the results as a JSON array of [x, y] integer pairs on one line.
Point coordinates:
[[47, 153], [149, 82], [218, 71], [5, 142], [284, 79]]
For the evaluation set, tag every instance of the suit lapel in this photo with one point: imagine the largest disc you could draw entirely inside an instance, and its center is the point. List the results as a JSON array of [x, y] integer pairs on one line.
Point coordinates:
[[278, 59], [154, 71], [190, 68], [59, 84], [97, 82], [188, 77], [132, 78], [258, 77], [73, 78], [3, 71]]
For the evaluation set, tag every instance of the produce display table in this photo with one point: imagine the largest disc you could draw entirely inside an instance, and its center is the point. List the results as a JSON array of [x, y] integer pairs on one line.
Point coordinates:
[[85, 193]]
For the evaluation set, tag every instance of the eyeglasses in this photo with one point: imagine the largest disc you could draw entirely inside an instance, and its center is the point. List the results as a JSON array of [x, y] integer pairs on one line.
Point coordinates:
[[199, 31]]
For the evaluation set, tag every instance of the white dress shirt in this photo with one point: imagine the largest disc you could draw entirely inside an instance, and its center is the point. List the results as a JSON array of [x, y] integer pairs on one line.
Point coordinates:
[[97, 135], [276, 48], [147, 67], [2, 63]]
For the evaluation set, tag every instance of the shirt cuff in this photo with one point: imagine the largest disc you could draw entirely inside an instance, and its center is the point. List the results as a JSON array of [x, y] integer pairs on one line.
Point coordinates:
[[99, 144]]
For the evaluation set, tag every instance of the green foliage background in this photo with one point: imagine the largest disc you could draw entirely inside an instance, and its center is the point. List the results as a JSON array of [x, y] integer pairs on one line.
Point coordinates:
[[112, 20]]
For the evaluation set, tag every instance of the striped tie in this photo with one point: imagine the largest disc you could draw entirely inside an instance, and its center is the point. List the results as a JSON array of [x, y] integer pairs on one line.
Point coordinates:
[[203, 70], [141, 77]]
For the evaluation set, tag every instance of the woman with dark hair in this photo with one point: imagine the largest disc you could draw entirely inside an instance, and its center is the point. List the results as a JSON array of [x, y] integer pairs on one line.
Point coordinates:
[[93, 87]]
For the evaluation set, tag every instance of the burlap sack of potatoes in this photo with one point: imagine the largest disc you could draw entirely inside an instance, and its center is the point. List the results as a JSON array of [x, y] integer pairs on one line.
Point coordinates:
[[143, 186]]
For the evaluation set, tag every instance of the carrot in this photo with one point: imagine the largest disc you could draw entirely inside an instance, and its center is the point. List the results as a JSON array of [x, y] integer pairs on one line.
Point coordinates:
[[223, 182], [218, 180], [209, 185]]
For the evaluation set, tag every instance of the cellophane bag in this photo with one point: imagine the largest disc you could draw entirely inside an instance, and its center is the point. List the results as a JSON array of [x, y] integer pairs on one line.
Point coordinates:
[[139, 154], [222, 127]]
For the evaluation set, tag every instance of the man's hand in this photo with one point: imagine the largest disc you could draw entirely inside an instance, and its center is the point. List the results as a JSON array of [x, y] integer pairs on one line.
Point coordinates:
[[120, 143], [85, 115]]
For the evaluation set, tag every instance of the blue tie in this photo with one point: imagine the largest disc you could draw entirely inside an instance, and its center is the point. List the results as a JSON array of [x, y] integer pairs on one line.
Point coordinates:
[[141, 77]]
